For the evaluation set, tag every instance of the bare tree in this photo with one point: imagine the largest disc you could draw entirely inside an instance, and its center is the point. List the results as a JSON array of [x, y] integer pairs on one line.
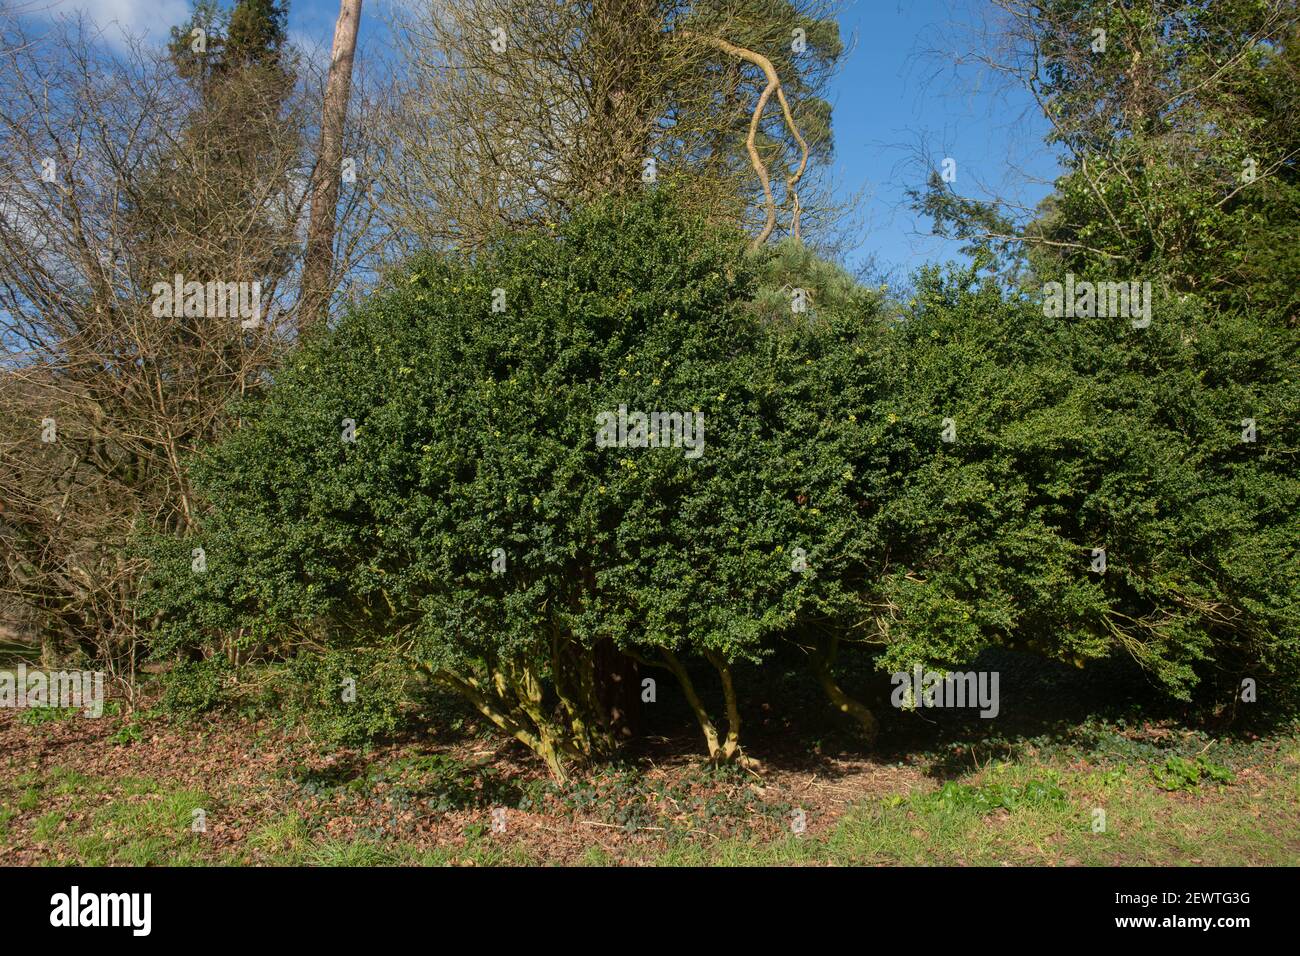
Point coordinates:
[[151, 213], [512, 112]]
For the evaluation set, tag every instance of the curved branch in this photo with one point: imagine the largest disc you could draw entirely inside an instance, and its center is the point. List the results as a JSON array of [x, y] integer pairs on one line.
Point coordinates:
[[773, 84], [792, 181]]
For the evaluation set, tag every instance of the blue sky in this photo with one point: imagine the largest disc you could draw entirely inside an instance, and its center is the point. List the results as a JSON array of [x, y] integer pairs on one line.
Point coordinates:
[[896, 99]]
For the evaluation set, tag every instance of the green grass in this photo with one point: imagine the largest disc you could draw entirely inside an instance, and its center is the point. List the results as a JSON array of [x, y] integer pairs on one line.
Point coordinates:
[[1029, 810], [144, 823], [1144, 826], [285, 837], [152, 828], [288, 841]]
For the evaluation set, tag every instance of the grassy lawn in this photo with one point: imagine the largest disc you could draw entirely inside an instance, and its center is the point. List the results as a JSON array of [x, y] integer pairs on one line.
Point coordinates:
[[404, 807], [108, 822], [1220, 825]]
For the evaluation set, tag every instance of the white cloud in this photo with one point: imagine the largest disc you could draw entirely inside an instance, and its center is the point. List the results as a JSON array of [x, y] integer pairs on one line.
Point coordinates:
[[148, 18]]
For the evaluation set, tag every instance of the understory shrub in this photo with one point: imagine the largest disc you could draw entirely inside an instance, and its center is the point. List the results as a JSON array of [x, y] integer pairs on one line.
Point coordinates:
[[441, 483], [348, 696], [193, 688], [1086, 487], [427, 479]]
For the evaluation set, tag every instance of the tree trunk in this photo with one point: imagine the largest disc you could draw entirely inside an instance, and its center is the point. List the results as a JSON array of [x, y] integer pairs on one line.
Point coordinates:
[[318, 262], [618, 688], [627, 34], [823, 661]]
